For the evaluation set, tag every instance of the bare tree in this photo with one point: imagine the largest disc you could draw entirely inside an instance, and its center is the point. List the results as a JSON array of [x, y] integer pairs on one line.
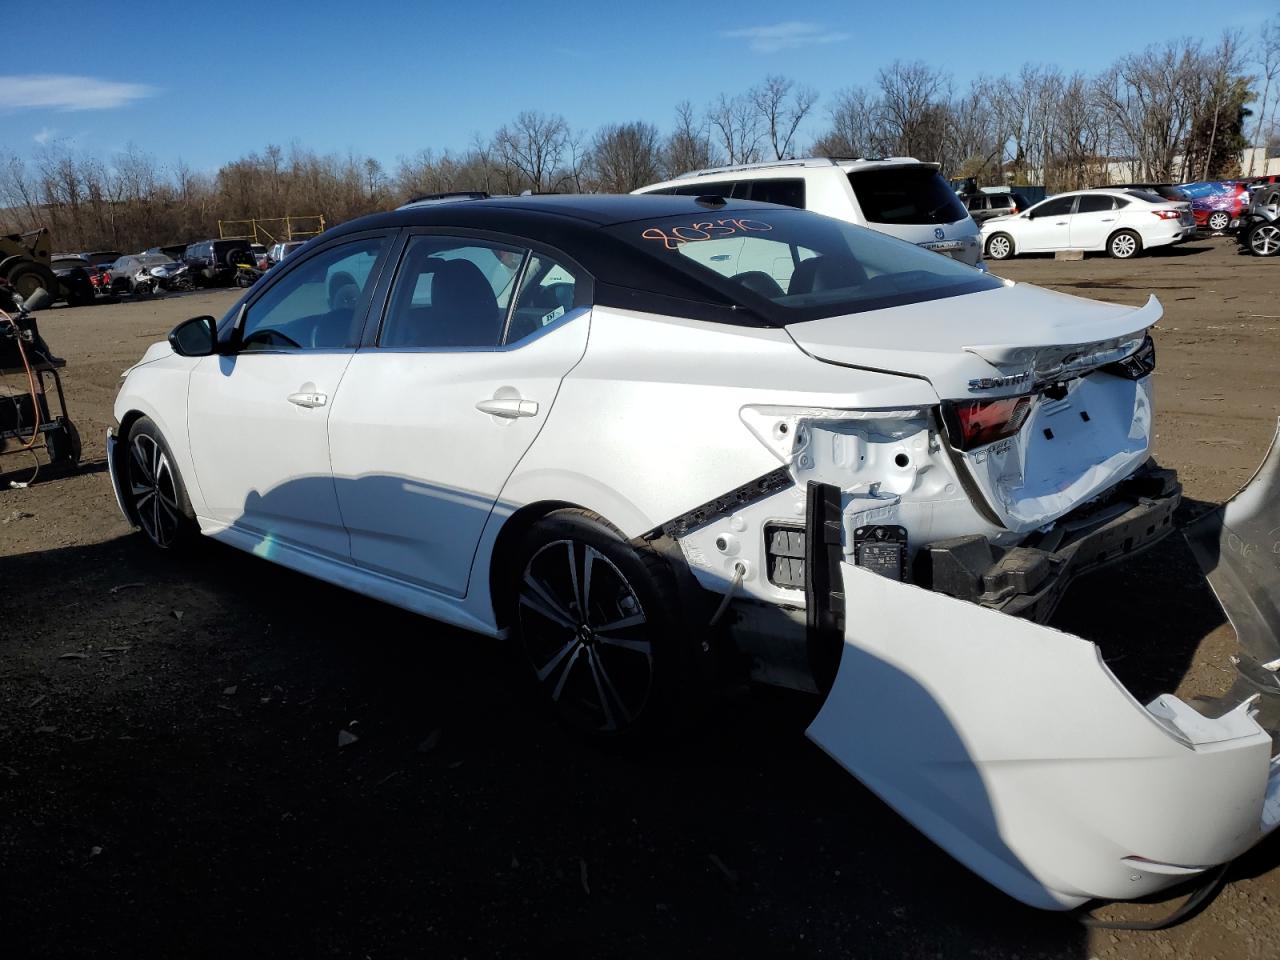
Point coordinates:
[[689, 146], [1266, 54], [782, 107], [626, 156], [736, 124], [913, 108], [534, 144], [853, 131]]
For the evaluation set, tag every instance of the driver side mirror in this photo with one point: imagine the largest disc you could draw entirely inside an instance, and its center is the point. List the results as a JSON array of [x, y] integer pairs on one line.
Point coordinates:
[[197, 337]]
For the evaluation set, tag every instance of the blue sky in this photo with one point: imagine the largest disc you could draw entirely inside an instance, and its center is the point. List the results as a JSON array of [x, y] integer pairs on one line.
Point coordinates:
[[387, 79]]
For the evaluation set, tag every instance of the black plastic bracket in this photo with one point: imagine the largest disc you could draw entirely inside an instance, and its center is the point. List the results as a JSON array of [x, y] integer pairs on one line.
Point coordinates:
[[823, 584]]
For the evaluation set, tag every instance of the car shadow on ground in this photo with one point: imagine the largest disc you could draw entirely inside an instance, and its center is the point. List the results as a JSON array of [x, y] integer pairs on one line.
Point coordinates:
[[175, 785]]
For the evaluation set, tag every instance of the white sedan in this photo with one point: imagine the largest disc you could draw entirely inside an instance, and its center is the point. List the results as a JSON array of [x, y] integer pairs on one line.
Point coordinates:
[[1121, 222], [600, 427]]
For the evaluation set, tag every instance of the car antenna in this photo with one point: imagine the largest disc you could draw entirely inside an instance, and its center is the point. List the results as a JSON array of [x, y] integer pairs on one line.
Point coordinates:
[[711, 200]]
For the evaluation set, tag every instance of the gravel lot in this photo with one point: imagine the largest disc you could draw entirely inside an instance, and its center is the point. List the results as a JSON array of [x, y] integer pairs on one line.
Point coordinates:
[[171, 781]]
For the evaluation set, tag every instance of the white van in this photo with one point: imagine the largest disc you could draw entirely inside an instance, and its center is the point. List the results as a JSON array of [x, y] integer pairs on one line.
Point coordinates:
[[900, 196]]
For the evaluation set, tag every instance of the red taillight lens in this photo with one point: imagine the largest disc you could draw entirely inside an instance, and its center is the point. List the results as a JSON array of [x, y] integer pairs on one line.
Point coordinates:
[[974, 423], [1167, 214], [1013, 209]]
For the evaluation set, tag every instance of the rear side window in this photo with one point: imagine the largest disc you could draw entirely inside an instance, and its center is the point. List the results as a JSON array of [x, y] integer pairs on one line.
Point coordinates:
[[451, 292], [1095, 203], [787, 193], [906, 195]]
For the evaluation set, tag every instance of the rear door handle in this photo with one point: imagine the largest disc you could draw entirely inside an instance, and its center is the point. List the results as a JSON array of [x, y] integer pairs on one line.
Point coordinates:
[[1108, 219], [308, 399], [509, 407]]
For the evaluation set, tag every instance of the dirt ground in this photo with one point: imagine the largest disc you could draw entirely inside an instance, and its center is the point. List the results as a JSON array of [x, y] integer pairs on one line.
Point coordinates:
[[172, 785]]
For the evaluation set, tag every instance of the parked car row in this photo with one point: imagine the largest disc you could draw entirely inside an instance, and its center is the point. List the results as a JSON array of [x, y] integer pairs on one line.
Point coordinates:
[[1123, 223], [183, 266]]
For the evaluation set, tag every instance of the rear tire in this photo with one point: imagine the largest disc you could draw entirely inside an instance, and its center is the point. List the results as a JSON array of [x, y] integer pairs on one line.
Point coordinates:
[[597, 623], [999, 246], [1124, 244], [1219, 221], [154, 492]]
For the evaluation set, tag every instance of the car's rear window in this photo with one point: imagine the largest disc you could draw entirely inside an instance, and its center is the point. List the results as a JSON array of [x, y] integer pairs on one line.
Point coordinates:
[[905, 195], [1147, 195], [793, 265]]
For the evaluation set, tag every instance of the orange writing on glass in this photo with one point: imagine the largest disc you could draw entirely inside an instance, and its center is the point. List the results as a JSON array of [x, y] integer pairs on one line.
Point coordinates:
[[675, 237]]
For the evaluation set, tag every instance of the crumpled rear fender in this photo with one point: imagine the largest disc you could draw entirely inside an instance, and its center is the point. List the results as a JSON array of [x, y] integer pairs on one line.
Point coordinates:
[[1015, 748]]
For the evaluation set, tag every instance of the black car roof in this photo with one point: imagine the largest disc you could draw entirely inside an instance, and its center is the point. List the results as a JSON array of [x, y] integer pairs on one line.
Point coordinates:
[[601, 210], [576, 224]]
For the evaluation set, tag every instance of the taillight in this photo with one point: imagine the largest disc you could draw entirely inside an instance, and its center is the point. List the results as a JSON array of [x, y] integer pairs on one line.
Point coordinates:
[[1167, 214], [1013, 209], [974, 423]]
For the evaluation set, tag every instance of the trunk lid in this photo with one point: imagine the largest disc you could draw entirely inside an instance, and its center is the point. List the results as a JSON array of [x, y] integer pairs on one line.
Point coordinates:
[[1092, 432]]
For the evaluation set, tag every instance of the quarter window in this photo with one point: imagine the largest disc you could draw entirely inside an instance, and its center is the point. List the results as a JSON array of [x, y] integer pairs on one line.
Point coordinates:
[[316, 305], [548, 291], [451, 292]]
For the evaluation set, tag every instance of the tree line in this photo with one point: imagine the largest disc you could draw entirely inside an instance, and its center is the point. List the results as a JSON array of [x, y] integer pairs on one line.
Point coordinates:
[[1178, 111]]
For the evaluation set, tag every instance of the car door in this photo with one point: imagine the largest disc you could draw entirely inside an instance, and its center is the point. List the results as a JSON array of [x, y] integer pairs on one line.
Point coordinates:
[[1094, 220], [258, 414], [436, 412], [1047, 226]]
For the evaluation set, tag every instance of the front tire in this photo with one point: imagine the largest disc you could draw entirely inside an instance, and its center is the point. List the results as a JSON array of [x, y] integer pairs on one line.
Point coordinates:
[[1000, 246], [1124, 244], [156, 496], [1264, 240], [596, 622]]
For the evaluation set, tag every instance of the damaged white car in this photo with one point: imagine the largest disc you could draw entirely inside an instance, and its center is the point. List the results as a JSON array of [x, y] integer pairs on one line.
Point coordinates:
[[655, 439]]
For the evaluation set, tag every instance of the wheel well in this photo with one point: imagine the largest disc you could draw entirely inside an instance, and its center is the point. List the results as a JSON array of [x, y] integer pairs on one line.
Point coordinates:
[[501, 586]]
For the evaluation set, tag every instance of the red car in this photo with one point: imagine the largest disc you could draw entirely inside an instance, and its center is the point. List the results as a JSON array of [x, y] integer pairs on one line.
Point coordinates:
[[1218, 205]]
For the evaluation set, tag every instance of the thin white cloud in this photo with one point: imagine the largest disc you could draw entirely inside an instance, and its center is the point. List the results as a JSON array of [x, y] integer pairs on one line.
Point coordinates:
[[44, 135], [785, 36], [66, 92]]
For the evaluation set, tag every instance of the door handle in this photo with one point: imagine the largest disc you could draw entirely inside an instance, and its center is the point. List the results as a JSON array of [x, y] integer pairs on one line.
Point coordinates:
[[308, 399], [509, 407], [1108, 219], [1060, 223]]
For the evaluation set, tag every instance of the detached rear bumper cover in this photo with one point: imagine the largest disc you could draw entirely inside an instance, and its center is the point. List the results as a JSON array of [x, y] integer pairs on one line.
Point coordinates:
[[1014, 748]]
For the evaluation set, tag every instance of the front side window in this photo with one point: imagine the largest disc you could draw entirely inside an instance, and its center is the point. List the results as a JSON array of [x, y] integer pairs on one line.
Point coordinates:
[[1057, 207], [451, 292], [803, 266], [905, 195], [316, 305]]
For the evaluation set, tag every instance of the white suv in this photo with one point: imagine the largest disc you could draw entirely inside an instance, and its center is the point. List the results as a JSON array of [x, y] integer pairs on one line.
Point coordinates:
[[900, 196]]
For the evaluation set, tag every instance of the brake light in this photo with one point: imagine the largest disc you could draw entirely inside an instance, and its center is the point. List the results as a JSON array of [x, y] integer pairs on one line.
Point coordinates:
[[1013, 209], [975, 423], [1167, 214]]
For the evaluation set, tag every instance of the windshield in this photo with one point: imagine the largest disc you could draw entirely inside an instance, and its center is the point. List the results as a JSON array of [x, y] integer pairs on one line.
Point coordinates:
[[906, 195], [803, 266]]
